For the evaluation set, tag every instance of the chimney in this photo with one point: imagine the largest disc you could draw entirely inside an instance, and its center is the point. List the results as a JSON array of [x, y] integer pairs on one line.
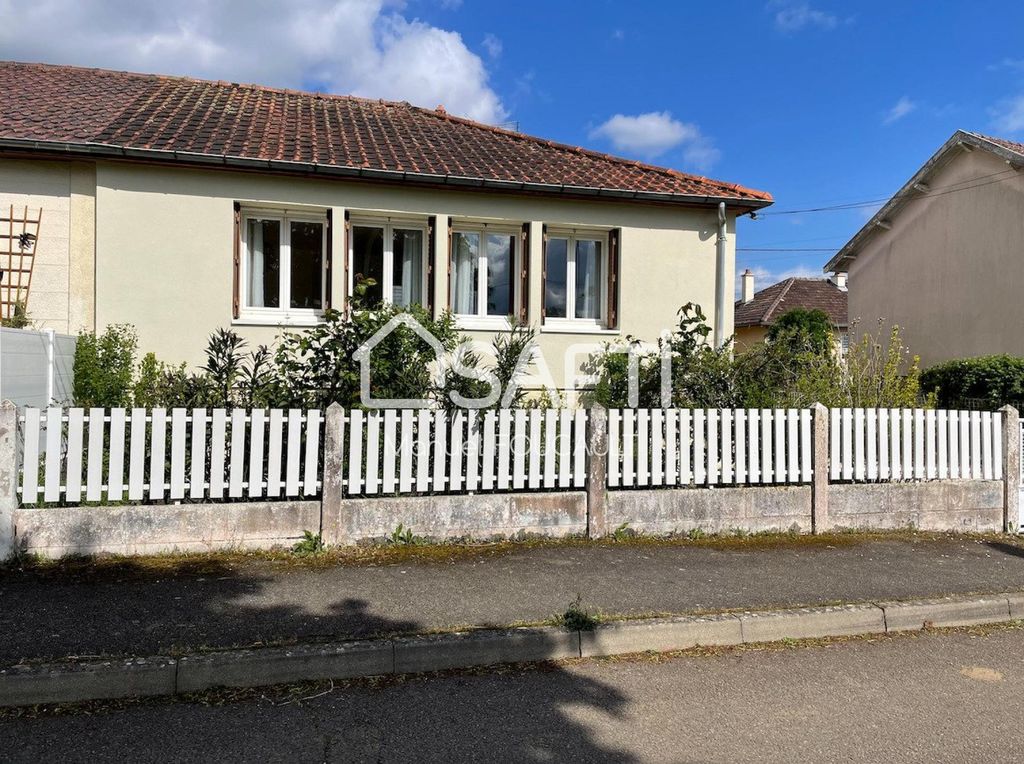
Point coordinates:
[[747, 288], [839, 279]]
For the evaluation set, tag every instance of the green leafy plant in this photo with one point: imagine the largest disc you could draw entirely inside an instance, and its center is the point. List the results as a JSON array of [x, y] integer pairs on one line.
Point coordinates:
[[104, 367], [577, 617], [804, 328], [623, 533], [986, 381], [402, 536], [310, 544], [19, 318]]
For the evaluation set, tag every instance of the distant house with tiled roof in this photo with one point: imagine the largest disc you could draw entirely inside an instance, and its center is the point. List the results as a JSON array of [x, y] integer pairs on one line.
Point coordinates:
[[181, 205], [944, 257], [755, 312]]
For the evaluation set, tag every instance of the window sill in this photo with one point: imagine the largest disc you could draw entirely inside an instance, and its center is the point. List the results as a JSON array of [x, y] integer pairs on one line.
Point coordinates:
[[279, 318], [574, 327], [483, 323]]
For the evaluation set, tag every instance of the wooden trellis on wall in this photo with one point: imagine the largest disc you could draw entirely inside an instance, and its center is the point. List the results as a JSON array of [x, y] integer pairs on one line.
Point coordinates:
[[19, 238]]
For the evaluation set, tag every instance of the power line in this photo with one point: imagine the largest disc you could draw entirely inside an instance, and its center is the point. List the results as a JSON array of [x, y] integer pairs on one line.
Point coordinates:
[[784, 249], [938, 191]]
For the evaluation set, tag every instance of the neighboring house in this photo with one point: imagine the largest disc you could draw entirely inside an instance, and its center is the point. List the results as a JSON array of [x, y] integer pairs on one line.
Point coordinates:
[[944, 258], [181, 205], [756, 312]]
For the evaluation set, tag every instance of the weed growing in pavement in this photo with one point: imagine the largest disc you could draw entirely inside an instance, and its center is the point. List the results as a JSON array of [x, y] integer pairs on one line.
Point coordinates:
[[311, 544], [402, 536], [577, 617], [624, 533]]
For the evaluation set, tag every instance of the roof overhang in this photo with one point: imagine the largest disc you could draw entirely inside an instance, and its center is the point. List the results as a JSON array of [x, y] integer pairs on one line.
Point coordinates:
[[917, 187], [87, 150]]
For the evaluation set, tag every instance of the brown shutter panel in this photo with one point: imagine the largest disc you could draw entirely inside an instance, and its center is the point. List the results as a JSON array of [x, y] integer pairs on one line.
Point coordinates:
[[449, 298], [543, 272], [344, 302], [431, 264], [524, 275], [237, 263], [329, 260], [613, 277]]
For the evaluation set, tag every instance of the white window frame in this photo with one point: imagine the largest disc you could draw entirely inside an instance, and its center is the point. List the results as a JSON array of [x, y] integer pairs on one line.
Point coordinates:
[[388, 225], [285, 314], [480, 319], [570, 323]]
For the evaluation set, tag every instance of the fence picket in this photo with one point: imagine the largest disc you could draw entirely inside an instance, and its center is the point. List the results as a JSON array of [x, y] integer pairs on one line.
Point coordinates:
[[725, 445], [54, 441], [197, 454], [740, 419], [565, 448], [942, 432], [793, 445], [872, 444], [614, 455], [371, 474], [965, 445], [519, 450], [754, 439], [579, 442], [550, 447], [767, 463], [312, 467], [643, 440], [275, 452], [258, 476], [700, 463], [996, 439], [389, 474], [711, 443], [504, 447], [685, 447], [628, 441], [490, 422], [218, 442], [473, 451], [294, 446], [657, 447], [883, 444], [455, 451], [954, 445], [236, 459], [806, 446], [115, 459], [355, 453], [439, 482], [73, 481], [907, 429], [835, 438], [157, 452], [407, 453], [896, 443], [30, 457], [859, 465], [535, 448], [780, 446], [671, 446], [178, 451], [986, 445], [422, 451]]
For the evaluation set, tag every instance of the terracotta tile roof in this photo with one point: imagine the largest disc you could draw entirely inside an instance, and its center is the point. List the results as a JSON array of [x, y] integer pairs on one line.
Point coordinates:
[[773, 301], [1008, 145], [174, 114]]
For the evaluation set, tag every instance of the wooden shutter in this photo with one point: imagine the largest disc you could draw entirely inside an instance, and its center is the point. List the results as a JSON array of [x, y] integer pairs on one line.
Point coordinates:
[[237, 263], [524, 275], [345, 298], [543, 272], [613, 277], [431, 264], [329, 260], [449, 290]]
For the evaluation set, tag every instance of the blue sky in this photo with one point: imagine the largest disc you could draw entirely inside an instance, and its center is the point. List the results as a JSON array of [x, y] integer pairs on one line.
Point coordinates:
[[816, 101]]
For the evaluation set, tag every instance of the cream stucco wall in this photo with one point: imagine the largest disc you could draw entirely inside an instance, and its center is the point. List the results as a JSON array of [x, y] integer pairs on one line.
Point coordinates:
[[164, 250], [951, 270], [61, 294]]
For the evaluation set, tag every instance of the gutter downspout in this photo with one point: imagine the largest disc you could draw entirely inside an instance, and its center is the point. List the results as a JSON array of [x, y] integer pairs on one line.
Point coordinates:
[[720, 294]]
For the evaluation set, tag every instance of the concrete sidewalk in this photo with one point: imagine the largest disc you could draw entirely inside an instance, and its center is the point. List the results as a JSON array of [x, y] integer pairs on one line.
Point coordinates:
[[140, 610]]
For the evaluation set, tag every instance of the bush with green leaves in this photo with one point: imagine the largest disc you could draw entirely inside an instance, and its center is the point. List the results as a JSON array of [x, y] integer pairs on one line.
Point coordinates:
[[988, 381], [804, 329], [104, 367]]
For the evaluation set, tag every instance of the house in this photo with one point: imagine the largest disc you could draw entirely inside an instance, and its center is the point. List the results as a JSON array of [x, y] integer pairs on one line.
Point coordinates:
[[756, 312], [943, 258], [180, 205]]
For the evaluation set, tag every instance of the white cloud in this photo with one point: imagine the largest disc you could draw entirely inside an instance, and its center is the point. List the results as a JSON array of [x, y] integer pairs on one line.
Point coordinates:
[[899, 110], [1008, 115], [492, 45], [363, 47], [652, 134], [1016, 64], [764, 277], [794, 16], [618, 34]]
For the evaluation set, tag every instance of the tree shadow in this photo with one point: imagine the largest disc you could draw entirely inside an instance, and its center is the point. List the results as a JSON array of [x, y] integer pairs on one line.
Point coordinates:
[[1006, 548]]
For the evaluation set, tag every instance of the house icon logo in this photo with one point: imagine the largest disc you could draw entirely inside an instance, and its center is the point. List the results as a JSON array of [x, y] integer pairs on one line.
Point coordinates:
[[362, 354]]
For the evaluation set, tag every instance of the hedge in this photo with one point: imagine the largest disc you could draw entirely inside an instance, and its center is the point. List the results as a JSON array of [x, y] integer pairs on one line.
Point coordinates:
[[987, 381]]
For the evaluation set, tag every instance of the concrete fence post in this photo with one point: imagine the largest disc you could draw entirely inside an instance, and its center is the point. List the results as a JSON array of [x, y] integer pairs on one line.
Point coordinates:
[[597, 472], [8, 476], [331, 502], [1011, 469], [820, 469]]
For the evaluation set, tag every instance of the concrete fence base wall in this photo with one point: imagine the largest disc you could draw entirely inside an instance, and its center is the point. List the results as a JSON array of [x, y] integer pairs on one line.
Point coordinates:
[[712, 510], [957, 505]]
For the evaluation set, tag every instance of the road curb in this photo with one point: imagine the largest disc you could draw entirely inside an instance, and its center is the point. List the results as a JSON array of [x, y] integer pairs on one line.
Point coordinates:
[[73, 681]]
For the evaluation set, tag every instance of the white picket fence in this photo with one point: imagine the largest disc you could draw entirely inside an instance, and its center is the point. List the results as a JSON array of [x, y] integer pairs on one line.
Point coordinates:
[[869, 445], [656, 447], [112, 455], [423, 451], [139, 455]]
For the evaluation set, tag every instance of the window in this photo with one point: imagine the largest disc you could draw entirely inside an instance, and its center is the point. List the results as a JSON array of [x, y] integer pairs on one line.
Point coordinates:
[[575, 276], [483, 274], [283, 267], [392, 255]]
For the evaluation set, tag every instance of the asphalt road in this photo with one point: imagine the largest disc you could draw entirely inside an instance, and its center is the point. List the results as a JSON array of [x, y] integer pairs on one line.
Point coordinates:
[[923, 697], [146, 612]]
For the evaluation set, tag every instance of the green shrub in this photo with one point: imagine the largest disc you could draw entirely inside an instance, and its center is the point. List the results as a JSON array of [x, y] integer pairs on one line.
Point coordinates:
[[988, 381], [802, 327], [104, 367]]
